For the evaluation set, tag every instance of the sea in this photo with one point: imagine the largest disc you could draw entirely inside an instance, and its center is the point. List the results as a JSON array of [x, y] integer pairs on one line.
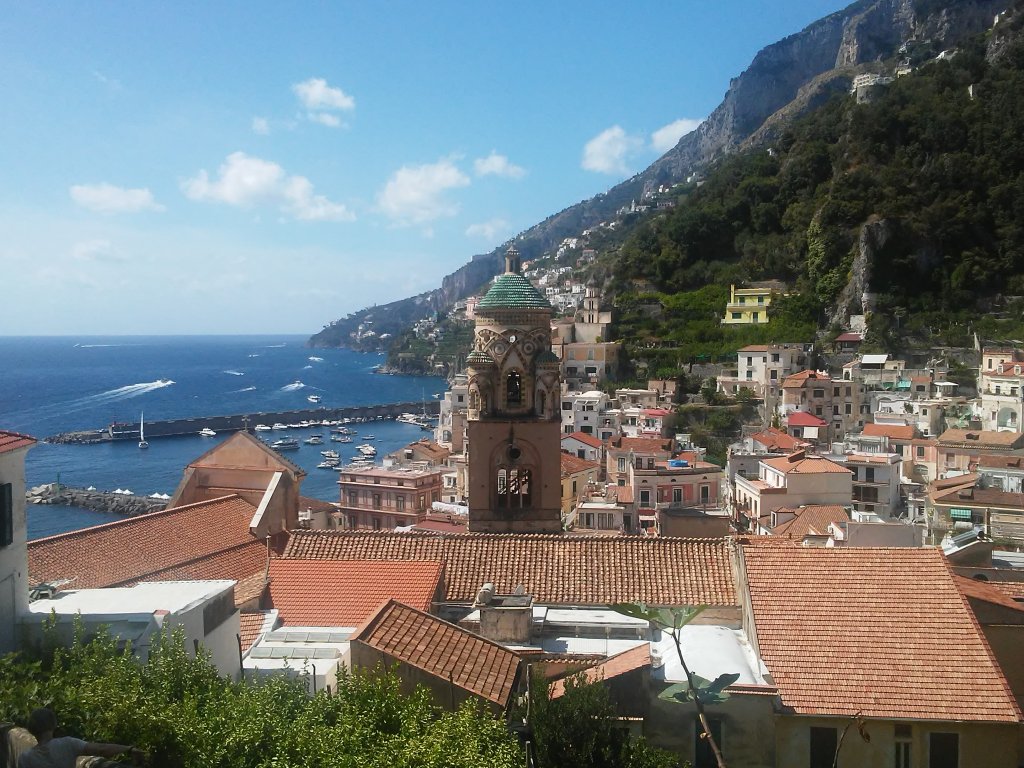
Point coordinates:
[[58, 384]]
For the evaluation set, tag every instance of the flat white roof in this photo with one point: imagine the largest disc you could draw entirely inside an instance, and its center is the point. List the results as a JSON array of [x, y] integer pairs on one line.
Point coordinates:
[[709, 651], [145, 598], [874, 359]]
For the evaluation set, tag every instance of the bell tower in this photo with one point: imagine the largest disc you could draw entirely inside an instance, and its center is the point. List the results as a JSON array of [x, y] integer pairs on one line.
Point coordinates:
[[514, 422]]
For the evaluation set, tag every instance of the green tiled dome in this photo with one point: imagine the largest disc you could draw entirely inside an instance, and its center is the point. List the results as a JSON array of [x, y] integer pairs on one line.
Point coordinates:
[[513, 291], [547, 356], [478, 358]]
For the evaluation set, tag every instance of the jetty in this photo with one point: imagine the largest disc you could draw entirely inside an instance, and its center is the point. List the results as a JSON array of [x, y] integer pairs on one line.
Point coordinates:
[[244, 421]]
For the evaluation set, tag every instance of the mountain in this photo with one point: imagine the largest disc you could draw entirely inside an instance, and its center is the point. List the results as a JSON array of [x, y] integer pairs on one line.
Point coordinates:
[[784, 81]]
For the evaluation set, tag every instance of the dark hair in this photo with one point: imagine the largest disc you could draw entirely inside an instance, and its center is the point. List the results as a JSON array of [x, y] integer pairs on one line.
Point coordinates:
[[42, 721]]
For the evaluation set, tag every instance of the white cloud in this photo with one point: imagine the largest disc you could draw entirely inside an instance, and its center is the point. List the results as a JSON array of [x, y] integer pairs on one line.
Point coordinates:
[[415, 194], [316, 95], [95, 251], [668, 136], [245, 181], [609, 150], [487, 230], [106, 198], [324, 118], [497, 165], [260, 125]]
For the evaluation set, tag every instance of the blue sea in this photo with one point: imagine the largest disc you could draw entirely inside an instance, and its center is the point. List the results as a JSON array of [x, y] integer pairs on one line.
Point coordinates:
[[61, 384]]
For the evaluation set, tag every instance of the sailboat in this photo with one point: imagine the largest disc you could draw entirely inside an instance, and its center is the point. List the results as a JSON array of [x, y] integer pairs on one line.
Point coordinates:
[[142, 431]]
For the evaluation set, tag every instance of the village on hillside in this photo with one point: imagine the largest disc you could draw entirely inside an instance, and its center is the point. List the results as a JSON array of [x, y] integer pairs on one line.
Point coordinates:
[[854, 558]]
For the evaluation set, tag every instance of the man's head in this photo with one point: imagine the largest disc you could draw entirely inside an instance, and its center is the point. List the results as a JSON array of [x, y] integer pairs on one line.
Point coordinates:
[[41, 722]]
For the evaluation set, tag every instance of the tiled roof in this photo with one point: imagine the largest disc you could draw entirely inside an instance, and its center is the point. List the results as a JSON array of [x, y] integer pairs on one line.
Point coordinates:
[[973, 589], [572, 464], [989, 461], [814, 519], [643, 444], [1014, 589], [850, 336], [443, 524], [344, 593], [512, 291], [799, 379], [619, 664], [425, 447], [555, 570], [776, 440], [879, 631], [755, 348], [444, 650], [317, 505], [797, 464], [803, 419], [583, 437], [989, 497], [945, 483], [978, 438], [207, 539], [10, 441], [892, 431], [251, 626]]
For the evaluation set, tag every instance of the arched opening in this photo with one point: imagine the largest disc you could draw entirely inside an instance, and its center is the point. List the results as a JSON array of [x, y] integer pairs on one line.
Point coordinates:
[[542, 403], [514, 389], [514, 488]]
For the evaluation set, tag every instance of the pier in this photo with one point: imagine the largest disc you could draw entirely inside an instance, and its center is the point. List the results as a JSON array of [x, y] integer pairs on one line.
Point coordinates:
[[243, 421]]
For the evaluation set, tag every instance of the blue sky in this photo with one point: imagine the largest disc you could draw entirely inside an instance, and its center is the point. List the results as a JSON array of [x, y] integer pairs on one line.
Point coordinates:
[[255, 167]]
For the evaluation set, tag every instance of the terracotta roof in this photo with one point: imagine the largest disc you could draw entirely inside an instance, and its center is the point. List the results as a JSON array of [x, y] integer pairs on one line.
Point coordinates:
[[1001, 462], [800, 379], [776, 440], [438, 523], [251, 587], [619, 664], [345, 593], [799, 464], [814, 519], [892, 431], [624, 494], [10, 441], [642, 444], [973, 589], [880, 631], [583, 437], [988, 497], [953, 482], [425, 447], [572, 464], [1014, 589], [472, 662], [803, 419], [978, 438], [755, 348], [850, 336], [555, 570], [208, 539], [317, 505], [250, 628]]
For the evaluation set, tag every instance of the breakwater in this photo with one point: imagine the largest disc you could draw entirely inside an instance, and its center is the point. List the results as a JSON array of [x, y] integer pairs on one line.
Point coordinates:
[[98, 501], [243, 421]]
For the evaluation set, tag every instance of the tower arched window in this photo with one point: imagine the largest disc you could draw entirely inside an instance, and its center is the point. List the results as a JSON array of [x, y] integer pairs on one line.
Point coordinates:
[[514, 389], [542, 403], [514, 488]]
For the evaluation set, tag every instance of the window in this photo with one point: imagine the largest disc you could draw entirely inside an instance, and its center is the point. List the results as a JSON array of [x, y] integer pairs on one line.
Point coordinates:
[[677, 495], [736, 315], [514, 488], [376, 524], [818, 393], [943, 750], [460, 398], [869, 475], [849, 409], [376, 501], [703, 755], [823, 747], [902, 758], [920, 451], [705, 494], [6, 515], [774, 375], [353, 498], [835, 391], [650, 463], [622, 464], [605, 521], [775, 357], [400, 501], [514, 389], [645, 497]]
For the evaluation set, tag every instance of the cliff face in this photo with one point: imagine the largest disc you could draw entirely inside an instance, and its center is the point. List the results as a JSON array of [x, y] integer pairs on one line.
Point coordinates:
[[784, 81]]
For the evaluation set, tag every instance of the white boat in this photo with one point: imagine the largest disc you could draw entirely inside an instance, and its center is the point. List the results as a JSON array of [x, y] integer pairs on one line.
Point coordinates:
[[142, 430], [314, 440], [330, 454], [314, 398], [369, 437], [207, 432], [285, 444], [367, 450], [262, 428], [279, 425], [328, 464]]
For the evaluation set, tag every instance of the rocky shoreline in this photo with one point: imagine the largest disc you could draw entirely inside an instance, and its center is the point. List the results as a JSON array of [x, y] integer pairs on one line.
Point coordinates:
[[128, 504]]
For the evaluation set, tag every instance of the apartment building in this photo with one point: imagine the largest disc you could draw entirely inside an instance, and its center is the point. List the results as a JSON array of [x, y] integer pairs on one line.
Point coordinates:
[[791, 481], [749, 306], [582, 411], [841, 404], [383, 498], [1001, 390], [762, 368]]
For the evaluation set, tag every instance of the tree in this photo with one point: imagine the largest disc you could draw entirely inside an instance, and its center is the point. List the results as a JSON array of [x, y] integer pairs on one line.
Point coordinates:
[[580, 728]]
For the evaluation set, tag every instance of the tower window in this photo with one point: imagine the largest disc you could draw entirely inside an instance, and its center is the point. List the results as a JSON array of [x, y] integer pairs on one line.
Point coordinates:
[[514, 388], [514, 488]]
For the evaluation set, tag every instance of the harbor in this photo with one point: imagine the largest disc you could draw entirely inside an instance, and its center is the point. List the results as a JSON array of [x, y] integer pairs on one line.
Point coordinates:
[[246, 421]]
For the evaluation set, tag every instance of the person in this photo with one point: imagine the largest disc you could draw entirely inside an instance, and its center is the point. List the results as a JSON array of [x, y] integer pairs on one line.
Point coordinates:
[[62, 752]]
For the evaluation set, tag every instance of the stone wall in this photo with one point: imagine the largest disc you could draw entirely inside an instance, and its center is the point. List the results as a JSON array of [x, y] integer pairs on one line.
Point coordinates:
[[98, 501]]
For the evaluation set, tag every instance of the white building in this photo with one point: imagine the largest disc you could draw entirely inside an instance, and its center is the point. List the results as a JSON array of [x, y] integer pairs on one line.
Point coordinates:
[[13, 537], [1001, 390], [762, 367], [581, 411]]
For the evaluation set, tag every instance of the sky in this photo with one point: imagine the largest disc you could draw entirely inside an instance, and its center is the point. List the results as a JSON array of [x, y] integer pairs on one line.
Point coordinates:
[[253, 167]]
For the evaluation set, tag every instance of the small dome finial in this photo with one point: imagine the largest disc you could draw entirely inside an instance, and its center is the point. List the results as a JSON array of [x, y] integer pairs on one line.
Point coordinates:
[[512, 260]]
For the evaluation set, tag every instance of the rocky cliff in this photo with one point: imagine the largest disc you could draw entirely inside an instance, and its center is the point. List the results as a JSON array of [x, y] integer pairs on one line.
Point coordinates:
[[784, 81]]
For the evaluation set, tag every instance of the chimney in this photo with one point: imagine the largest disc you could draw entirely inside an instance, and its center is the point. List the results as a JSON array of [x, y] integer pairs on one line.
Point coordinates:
[[505, 618]]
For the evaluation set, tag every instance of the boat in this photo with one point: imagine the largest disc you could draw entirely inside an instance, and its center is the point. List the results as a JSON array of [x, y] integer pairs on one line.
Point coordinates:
[[285, 444], [296, 425], [328, 464], [369, 437], [314, 398], [279, 425], [262, 428], [330, 454], [207, 432], [366, 449], [142, 431], [314, 440], [341, 439]]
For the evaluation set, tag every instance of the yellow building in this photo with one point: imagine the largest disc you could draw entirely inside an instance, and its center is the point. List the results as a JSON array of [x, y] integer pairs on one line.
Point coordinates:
[[749, 306]]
